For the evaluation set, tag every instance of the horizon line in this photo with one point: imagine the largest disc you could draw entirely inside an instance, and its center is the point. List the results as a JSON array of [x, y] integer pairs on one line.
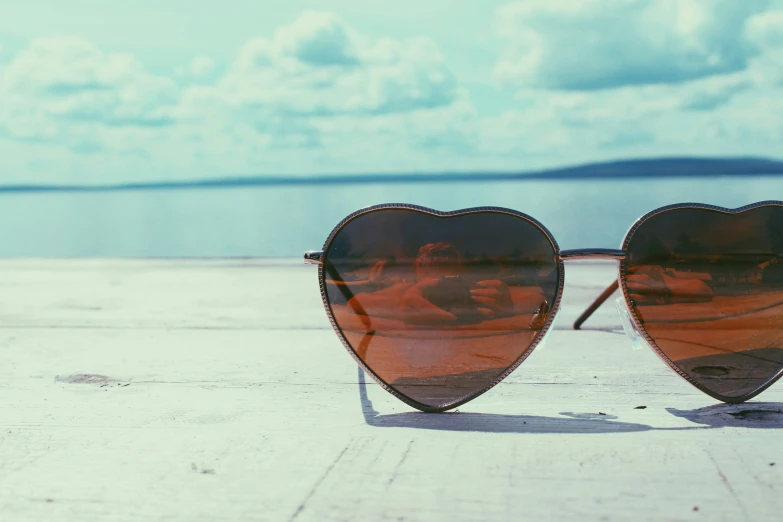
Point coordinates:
[[754, 166]]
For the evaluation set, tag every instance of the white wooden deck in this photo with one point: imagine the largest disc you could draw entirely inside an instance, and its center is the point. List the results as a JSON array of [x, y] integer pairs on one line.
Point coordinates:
[[216, 390]]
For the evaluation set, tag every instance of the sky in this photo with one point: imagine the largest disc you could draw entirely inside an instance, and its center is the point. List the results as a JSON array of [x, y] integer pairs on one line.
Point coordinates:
[[110, 92]]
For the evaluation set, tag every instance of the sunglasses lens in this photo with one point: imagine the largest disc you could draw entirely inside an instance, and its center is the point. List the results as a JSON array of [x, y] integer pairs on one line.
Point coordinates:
[[440, 307], [707, 287]]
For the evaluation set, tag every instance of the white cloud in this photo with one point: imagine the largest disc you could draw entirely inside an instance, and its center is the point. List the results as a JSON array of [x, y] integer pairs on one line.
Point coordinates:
[[318, 82], [597, 44], [318, 96], [638, 78], [318, 66], [728, 115], [201, 66], [60, 88], [714, 93], [766, 29], [199, 69], [316, 39]]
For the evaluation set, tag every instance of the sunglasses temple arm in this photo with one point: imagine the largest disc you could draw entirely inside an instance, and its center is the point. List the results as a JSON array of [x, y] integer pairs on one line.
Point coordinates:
[[597, 303]]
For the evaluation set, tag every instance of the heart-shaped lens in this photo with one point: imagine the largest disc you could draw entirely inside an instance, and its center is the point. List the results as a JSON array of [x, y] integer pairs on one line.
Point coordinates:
[[706, 285], [440, 306]]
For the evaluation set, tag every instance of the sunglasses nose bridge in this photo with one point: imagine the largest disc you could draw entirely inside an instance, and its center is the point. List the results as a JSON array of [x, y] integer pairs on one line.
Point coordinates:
[[592, 253], [634, 335]]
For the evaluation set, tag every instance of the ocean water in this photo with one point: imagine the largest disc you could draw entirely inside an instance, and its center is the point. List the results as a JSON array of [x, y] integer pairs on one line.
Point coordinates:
[[287, 220]]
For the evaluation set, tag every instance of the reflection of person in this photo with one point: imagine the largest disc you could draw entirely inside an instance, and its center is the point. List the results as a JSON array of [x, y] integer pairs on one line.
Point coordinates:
[[652, 284], [439, 293]]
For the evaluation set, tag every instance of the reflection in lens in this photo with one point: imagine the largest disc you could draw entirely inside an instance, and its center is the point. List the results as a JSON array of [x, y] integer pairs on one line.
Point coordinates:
[[440, 307], [708, 289]]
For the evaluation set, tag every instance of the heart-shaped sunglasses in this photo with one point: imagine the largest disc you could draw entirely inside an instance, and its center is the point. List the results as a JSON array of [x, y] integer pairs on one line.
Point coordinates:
[[439, 307]]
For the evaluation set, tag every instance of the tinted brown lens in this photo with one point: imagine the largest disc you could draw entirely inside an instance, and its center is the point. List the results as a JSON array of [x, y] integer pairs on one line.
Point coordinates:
[[708, 289], [440, 307]]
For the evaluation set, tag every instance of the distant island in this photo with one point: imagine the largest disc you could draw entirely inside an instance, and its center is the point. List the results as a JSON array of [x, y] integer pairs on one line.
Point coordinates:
[[624, 169]]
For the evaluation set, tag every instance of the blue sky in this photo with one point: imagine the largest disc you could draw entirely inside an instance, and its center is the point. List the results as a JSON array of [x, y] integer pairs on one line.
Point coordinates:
[[106, 92]]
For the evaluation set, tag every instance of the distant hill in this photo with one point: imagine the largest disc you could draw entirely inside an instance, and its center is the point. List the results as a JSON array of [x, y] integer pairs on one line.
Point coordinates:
[[668, 167], [639, 168]]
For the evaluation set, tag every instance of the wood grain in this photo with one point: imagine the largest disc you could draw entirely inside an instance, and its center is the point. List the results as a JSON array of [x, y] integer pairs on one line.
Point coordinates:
[[216, 390]]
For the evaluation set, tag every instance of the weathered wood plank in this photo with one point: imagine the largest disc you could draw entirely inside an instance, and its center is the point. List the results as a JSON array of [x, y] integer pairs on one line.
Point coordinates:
[[216, 390]]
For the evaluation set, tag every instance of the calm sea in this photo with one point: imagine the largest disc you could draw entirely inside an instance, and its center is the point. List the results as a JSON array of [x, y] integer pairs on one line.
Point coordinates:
[[285, 221]]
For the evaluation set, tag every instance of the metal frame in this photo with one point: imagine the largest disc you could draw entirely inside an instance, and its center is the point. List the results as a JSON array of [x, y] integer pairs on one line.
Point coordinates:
[[310, 257], [592, 253], [621, 278], [318, 257]]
